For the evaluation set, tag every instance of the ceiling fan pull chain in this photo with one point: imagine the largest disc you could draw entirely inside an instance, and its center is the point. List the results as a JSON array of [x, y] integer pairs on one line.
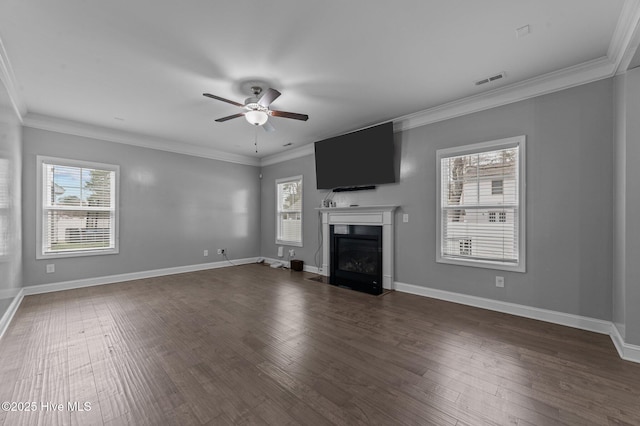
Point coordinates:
[[255, 141]]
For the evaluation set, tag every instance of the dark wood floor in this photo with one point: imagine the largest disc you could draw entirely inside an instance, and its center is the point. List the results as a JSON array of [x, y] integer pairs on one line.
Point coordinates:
[[254, 345]]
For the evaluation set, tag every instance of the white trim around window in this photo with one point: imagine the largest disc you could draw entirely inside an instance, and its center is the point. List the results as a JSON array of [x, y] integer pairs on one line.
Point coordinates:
[[466, 205], [80, 217], [289, 198]]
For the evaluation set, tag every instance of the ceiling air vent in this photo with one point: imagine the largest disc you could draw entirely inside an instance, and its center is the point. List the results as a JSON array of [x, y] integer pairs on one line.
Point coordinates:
[[492, 78]]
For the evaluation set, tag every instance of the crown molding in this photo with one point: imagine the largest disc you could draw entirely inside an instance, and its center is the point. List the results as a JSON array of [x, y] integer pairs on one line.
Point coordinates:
[[626, 38], [547, 83], [298, 152], [44, 122], [9, 80]]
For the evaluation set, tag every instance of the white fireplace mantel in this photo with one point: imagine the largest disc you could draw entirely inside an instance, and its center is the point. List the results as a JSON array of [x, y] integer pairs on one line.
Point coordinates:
[[361, 215]]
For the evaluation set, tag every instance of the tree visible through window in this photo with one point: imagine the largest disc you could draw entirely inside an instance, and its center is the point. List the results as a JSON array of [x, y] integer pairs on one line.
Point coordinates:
[[78, 207], [481, 204], [289, 211]]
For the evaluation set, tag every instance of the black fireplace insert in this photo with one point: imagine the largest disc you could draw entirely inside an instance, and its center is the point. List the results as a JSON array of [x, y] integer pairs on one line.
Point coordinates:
[[356, 257]]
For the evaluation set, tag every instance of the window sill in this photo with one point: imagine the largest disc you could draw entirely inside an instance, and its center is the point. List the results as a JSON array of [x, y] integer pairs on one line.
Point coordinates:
[[289, 243], [483, 264], [62, 255]]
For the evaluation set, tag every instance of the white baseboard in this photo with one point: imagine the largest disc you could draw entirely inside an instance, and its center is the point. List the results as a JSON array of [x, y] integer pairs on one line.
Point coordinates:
[[10, 312], [626, 351], [313, 270], [110, 279], [575, 321]]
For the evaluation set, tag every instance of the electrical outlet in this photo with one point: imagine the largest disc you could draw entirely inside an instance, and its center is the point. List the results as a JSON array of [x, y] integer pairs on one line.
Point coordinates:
[[51, 268], [405, 218], [500, 282], [220, 251], [292, 253], [280, 251], [206, 253]]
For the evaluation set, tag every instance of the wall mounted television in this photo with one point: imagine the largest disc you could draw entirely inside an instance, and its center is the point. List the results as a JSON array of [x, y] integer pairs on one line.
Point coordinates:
[[358, 159]]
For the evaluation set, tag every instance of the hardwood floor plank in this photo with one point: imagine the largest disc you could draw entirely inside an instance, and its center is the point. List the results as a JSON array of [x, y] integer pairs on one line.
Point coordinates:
[[255, 345]]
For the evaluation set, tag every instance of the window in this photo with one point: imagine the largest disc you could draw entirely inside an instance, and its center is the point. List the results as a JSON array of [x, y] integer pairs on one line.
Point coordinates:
[[481, 212], [78, 204], [289, 211]]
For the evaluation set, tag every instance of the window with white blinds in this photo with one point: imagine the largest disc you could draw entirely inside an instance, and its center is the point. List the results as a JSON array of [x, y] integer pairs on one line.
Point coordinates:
[[481, 205], [289, 211], [78, 208]]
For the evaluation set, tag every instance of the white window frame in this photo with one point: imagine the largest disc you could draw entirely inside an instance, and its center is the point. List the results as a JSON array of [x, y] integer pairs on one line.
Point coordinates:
[[41, 216], [279, 212], [519, 141]]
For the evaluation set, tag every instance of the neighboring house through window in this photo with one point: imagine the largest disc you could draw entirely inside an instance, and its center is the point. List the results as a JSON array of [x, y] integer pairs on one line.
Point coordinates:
[[497, 187], [481, 213], [78, 208], [289, 211]]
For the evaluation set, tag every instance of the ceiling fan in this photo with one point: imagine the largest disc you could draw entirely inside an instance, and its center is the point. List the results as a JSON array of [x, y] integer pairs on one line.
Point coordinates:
[[257, 110]]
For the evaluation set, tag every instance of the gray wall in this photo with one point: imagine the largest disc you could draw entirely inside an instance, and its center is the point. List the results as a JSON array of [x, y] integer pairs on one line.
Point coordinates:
[[311, 199], [569, 210], [619, 195], [172, 207], [10, 203], [628, 235]]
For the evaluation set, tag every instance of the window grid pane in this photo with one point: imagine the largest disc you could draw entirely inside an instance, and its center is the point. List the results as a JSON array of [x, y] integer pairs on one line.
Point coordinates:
[[289, 211], [78, 208], [479, 206]]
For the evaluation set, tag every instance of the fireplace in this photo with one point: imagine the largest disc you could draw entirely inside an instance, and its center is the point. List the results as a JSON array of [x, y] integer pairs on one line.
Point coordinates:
[[356, 257], [380, 218]]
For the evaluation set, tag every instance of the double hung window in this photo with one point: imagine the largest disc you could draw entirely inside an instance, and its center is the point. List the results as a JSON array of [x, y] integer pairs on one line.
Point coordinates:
[[78, 203], [482, 205], [289, 211]]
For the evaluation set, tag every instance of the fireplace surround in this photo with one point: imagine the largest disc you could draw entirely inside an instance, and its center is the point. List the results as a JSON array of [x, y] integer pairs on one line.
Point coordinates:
[[379, 217]]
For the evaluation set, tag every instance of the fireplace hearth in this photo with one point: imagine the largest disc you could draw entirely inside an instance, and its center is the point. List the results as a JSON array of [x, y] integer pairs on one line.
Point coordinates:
[[356, 257]]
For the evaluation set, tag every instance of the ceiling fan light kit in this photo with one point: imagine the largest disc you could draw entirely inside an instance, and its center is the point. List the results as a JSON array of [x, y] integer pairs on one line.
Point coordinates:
[[256, 117], [257, 108]]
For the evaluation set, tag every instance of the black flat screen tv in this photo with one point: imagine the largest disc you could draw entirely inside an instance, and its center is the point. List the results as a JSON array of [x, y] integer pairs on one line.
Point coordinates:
[[361, 158]]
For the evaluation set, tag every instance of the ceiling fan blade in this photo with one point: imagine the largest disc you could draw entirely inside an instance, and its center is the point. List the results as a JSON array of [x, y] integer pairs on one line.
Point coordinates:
[[209, 95], [284, 114], [269, 96], [268, 127], [229, 117]]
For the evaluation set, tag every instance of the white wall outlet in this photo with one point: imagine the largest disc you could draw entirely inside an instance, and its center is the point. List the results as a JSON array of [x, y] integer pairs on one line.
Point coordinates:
[[405, 218], [499, 281], [219, 251], [280, 251], [206, 253], [292, 252], [51, 268]]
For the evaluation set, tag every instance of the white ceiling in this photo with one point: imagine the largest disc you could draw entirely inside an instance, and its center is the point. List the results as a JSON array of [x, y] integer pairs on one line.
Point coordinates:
[[141, 66]]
